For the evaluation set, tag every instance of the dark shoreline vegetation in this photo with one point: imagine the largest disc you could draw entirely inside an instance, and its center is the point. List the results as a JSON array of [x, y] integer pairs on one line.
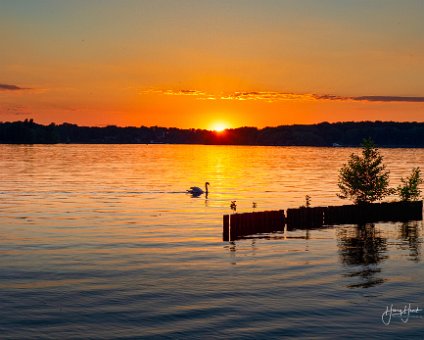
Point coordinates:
[[384, 134]]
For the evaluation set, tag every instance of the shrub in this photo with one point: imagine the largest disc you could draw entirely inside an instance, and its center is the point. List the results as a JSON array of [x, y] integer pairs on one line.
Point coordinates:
[[409, 190]]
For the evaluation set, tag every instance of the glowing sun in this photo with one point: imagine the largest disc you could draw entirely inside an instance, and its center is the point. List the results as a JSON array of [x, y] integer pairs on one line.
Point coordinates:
[[219, 126]]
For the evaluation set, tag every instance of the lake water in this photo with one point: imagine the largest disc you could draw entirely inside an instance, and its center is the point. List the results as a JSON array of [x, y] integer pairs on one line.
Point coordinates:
[[101, 241]]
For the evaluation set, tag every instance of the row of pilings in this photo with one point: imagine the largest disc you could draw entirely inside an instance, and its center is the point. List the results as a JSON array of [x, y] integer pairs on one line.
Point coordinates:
[[240, 225]]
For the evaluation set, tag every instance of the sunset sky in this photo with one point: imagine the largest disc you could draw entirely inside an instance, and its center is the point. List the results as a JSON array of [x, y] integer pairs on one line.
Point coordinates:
[[204, 63]]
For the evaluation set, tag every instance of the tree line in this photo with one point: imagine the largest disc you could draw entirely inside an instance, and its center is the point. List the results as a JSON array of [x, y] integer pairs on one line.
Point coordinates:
[[384, 134]]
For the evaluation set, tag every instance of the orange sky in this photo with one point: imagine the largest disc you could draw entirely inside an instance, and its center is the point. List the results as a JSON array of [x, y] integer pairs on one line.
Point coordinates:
[[197, 63]]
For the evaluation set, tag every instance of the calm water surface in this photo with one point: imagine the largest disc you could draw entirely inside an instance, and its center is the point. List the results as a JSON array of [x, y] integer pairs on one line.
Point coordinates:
[[101, 241]]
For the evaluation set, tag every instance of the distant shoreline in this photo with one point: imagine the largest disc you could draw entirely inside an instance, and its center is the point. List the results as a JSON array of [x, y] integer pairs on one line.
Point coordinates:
[[194, 144], [343, 134]]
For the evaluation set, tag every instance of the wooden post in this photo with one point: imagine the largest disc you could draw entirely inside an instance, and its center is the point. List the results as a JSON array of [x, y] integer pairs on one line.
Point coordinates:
[[233, 226], [226, 228], [282, 219]]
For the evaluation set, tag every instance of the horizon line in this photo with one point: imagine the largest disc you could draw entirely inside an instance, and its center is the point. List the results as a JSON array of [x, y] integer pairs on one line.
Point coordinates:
[[28, 120]]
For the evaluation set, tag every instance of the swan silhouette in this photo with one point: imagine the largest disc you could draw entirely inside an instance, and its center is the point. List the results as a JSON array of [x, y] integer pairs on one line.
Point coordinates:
[[196, 191]]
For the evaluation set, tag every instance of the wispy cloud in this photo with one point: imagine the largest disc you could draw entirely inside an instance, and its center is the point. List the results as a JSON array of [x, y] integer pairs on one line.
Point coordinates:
[[275, 96], [371, 98], [15, 110], [9, 87], [267, 96], [390, 99], [170, 92]]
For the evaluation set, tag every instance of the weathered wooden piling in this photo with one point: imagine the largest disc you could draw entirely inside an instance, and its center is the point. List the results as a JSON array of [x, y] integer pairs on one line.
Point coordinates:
[[402, 211], [226, 228], [374, 212], [239, 225], [345, 214], [305, 217]]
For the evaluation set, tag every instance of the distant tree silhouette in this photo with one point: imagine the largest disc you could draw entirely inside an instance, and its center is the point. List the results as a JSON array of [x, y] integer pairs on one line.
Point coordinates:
[[389, 134]]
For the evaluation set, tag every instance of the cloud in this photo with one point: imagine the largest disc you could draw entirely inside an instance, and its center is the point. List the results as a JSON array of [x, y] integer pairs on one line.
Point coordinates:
[[275, 96], [267, 96], [171, 92], [16, 110], [330, 97], [372, 98], [390, 99], [8, 87]]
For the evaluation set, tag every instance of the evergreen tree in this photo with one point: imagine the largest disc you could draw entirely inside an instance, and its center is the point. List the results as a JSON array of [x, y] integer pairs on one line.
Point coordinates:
[[364, 179]]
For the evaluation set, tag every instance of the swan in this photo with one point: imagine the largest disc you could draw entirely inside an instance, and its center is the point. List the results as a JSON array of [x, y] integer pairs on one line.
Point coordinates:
[[196, 191]]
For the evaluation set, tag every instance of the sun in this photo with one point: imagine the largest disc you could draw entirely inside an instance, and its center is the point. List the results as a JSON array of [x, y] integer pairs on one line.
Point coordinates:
[[219, 126]]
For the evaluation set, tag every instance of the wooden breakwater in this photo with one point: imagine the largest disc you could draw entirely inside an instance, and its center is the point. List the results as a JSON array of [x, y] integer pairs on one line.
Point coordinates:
[[239, 225], [354, 214], [305, 217], [375, 212]]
